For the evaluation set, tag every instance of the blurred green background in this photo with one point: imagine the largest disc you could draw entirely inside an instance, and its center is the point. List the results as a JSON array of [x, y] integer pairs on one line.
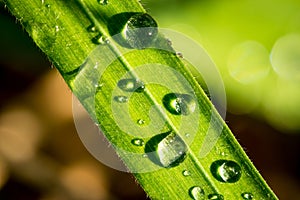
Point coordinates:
[[254, 43]]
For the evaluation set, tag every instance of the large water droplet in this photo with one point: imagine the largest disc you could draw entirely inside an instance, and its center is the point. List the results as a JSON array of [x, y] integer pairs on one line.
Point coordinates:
[[121, 99], [197, 193], [215, 197], [247, 195], [103, 2], [137, 142], [178, 104], [167, 149], [140, 31], [226, 171], [131, 85]]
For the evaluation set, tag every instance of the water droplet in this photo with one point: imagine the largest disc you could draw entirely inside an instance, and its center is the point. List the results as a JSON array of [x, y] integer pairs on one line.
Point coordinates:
[[98, 86], [131, 85], [226, 171], [179, 54], [99, 39], [56, 28], [178, 104], [186, 173], [137, 142], [247, 195], [215, 197], [140, 31], [166, 149], [103, 2], [145, 155], [169, 42], [121, 99], [141, 121], [92, 28], [47, 5], [187, 135], [196, 193]]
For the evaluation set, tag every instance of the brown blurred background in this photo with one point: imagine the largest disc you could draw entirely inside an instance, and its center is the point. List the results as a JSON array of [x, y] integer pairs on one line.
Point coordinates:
[[42, 157]]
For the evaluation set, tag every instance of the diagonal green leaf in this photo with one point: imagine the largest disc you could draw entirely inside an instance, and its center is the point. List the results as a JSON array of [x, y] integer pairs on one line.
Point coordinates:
[[146, 100]]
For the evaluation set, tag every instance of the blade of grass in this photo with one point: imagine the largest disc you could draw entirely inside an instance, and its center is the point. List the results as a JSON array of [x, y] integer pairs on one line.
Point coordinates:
[[59, 28]]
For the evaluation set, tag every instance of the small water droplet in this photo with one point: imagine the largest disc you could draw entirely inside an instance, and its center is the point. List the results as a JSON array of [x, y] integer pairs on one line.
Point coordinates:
[[167, 149], [247, 195], [226, 171], [92, 28], [98, 86], [140, 31], [131, 85], [56, 28], [103, 2], [179, 54], [121, 99], [145, 156], [197, 193], [186, 173], [187, 135], [169, 41], [178, 104], [99, 39], [47, 5], [137, 142], [215, 197], [141, 121]]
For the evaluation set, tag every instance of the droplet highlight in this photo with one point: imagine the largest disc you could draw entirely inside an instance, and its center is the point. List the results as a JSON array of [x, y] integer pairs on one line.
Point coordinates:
[[140, 31], [215, 197], [226, 171], [167, 149], [131, 85], [92, 28], [178, 104], [121, 99], [138, 142], [247, 195], [196, 193]]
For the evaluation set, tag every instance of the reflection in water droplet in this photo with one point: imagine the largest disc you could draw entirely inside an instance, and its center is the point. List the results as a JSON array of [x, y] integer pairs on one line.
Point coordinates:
[[140, 31], [215, 197], [137, 142], [186, 173], [121, 99], [226, 171], [196, 193], [141, 121], [179, 103], [131, 85], [166, 149], [103, 2], [247, 195]]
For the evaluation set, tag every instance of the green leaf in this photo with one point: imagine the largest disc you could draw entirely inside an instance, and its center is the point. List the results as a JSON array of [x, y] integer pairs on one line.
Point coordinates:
[[146, 100]]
